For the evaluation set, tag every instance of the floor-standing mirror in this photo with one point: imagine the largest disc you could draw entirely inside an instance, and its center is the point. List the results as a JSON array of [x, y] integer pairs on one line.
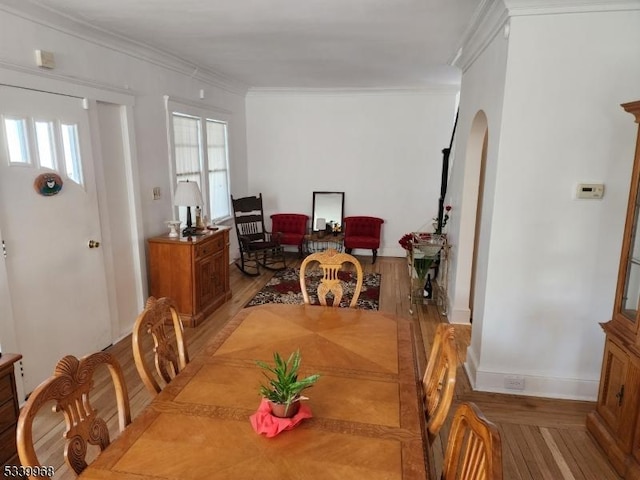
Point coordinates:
[[327, 207]]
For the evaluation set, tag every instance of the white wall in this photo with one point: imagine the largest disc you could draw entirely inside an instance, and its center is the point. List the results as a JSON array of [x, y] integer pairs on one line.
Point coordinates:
[[548, 261], [90, 63], [383, 149]]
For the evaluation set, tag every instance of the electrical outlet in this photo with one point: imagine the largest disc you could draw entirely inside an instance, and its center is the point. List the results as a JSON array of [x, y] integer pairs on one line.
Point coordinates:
[[156, 193], [514, 382]]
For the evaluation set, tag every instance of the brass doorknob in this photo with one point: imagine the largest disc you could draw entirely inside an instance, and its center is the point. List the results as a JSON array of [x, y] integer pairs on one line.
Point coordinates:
[[94, 244]]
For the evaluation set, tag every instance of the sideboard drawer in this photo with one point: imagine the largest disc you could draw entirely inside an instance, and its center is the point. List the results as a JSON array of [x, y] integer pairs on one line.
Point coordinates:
[[8, 415], [6, 388], [207, 248]]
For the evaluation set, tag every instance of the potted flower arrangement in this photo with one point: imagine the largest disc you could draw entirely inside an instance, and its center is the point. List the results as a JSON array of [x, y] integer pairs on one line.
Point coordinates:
[[284, 389]]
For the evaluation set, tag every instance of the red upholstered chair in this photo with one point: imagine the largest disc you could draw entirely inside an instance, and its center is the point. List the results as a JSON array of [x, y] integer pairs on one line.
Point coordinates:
[[362, 232], [290, 228]]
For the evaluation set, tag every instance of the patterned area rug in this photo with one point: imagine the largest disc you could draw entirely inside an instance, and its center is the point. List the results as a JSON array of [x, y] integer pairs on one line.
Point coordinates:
[[284, 287]]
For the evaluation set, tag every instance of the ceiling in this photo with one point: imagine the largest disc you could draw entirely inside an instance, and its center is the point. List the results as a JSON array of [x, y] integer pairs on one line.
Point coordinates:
[[295, 43]]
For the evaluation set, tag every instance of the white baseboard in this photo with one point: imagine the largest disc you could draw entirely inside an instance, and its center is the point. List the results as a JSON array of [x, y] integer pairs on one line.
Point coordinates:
[[534, 386], [460, 316]]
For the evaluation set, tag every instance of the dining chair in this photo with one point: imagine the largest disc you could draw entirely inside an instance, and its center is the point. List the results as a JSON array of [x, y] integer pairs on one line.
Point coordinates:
[[474, 449], [439, 379], [69, 388], [169, 352], [258, 247], [331, 262]]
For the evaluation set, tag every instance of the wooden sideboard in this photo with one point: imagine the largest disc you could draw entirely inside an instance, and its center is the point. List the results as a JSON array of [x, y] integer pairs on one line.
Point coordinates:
[[9, 410], [193, 271]]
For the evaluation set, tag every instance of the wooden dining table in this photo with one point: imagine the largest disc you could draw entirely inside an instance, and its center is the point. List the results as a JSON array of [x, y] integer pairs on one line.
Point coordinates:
[[368, 420]]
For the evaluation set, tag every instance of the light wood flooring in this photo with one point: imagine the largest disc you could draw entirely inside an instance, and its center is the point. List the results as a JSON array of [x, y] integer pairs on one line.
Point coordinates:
[[541, 438]]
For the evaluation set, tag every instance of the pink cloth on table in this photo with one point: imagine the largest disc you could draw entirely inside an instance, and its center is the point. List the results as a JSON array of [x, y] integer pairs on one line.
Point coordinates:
[[263, 422]]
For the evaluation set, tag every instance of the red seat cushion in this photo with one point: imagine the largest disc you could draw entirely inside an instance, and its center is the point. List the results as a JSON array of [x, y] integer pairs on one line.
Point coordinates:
[[290, 238], [289, 227], [361, 242]]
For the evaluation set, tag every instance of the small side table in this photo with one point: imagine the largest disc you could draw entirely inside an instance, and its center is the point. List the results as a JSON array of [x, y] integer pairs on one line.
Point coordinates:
[[320, 241], [429, 248]]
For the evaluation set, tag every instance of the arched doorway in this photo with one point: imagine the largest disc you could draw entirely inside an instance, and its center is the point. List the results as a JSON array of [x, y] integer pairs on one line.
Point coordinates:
[[471, 190], [478, 222]]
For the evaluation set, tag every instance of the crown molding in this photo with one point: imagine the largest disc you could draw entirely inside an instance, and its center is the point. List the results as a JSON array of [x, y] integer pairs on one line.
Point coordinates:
[[550, 7], [75, 27], [489, 19], [492, 16], [338, 92]]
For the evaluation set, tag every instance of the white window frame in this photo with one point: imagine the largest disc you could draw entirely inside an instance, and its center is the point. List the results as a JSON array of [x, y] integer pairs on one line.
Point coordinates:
[[204, 114]]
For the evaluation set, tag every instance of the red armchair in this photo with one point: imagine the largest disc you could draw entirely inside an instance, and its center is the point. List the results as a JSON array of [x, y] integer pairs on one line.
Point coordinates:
[[290, 228], [362, 232]]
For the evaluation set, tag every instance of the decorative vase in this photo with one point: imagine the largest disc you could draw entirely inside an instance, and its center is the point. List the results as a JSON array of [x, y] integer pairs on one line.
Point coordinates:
[[280, 410], [174, 228]]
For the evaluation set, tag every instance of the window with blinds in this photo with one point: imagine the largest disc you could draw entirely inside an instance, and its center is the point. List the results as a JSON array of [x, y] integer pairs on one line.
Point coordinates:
[[208, 167]]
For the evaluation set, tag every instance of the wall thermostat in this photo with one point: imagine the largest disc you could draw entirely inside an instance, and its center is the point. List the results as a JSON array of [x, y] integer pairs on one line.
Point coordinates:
[[590, 190]]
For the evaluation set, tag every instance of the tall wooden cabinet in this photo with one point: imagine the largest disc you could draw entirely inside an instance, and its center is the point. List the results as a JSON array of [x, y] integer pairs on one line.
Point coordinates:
[[615, 423], [193, 271]]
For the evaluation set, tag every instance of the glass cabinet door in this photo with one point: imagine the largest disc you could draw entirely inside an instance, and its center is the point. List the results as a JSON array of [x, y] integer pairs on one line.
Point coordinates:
[[627, 303], [631, 291]]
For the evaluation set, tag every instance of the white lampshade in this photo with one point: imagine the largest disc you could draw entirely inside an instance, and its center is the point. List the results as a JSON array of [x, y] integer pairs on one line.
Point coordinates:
[[187, 194]]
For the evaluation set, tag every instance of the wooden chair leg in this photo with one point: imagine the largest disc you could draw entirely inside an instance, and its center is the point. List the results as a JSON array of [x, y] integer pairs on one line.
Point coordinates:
[[375, 255], [243, 267]]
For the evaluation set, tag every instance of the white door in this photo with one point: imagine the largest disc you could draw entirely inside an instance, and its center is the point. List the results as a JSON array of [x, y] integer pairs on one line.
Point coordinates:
[[57, 284]]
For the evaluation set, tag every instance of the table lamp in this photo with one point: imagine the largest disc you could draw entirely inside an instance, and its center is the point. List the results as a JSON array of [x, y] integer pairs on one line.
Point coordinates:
[[187, 195]]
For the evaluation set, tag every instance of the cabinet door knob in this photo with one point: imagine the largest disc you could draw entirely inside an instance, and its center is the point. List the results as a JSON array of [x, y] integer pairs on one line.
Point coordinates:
[[94, 244]]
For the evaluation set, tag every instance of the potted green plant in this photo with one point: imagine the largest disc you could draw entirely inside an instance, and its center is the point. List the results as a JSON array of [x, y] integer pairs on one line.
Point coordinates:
[[284, 388]]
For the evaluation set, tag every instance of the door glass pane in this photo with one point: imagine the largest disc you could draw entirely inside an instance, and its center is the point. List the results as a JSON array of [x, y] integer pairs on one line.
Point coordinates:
[[631, 290], [16, 134], [71, 151], [44, 141]]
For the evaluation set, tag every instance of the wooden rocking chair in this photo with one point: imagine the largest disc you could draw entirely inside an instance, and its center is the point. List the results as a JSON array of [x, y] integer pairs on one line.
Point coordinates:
[[257, 246]]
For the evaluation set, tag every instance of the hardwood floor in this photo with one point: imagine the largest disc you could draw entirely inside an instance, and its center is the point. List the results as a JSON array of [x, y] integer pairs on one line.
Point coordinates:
[[541, 438]]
